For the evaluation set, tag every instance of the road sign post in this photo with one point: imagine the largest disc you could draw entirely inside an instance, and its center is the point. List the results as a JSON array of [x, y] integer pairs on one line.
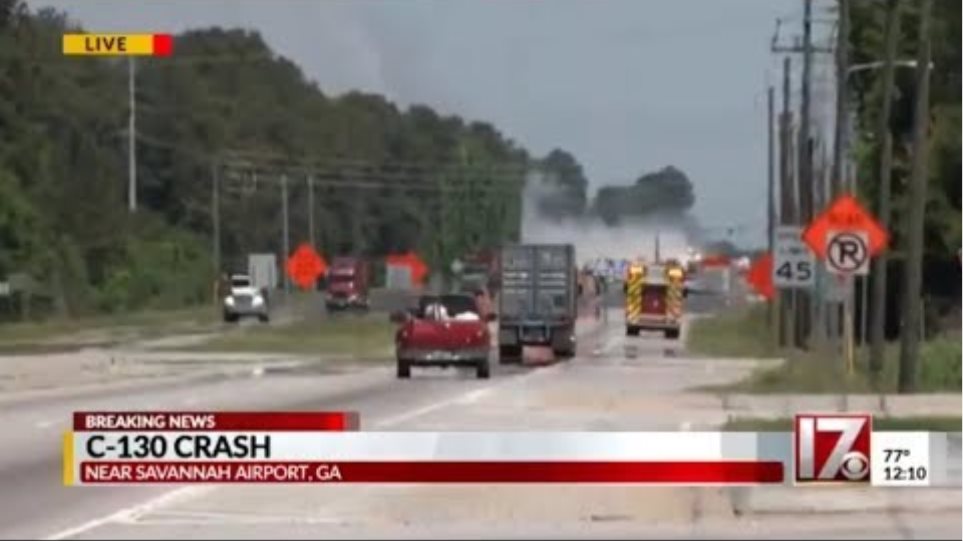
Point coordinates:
[[846, 236], [793, 263]]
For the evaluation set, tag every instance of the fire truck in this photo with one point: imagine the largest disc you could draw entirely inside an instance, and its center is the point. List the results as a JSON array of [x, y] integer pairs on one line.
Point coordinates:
[[654, 298]]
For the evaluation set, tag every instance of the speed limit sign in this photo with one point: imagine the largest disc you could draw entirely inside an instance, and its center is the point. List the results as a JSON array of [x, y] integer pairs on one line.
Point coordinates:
[[793, 262]]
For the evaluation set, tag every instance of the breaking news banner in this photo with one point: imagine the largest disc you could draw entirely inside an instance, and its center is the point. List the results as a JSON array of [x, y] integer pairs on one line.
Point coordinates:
[[123, 448]]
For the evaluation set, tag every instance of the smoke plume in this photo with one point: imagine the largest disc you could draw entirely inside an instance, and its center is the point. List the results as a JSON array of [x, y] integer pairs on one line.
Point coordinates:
[[631, 238]]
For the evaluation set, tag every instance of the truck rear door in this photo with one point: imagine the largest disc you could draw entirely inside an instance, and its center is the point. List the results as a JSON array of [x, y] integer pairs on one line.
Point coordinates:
[[517, 298], [653, 300], [554, 282]]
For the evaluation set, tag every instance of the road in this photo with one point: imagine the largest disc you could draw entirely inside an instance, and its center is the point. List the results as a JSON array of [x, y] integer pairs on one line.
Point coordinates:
[[615, 383]]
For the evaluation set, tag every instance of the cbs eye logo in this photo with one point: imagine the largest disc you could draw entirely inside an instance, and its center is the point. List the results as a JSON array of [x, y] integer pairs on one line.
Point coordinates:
[[832, 448]]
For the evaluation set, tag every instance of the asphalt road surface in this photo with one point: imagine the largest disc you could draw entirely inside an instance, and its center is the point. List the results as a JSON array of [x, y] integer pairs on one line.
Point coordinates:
[[615, 383]]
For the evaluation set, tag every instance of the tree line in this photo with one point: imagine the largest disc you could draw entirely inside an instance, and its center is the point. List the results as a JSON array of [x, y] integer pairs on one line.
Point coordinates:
[[224, 106], [942, 218]]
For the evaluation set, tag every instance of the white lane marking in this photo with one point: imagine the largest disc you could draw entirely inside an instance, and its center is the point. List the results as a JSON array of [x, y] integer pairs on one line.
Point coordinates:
[[193, 518], [129, 514], [466, 398], [475, 396], [609, 345]]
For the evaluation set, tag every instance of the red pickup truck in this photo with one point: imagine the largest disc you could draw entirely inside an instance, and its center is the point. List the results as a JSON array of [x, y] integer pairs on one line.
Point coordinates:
[[444, 330]]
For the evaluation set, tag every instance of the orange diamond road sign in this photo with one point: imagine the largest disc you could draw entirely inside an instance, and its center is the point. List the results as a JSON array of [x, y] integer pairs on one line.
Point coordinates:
[[760, 276], [418, 268], [305, 266], [845, 214]]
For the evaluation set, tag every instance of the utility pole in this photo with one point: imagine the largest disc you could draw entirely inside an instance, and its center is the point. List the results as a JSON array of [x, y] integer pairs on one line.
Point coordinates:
[[284, 229], [877, 324], [804, 150], [131, 136], [216, 217], [787, 196], [838, 183], [770, 185], [841, 141], [310, 180], [912, 303]]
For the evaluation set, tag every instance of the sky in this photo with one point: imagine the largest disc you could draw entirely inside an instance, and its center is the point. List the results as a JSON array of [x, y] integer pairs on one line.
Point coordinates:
[[627, 86]]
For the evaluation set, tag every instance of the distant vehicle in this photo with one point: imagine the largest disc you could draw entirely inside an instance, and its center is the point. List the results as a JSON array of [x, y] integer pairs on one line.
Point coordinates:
[[347, 284], [654, 299], [537, 304], [244, 300], [263, 270], [444, 330]]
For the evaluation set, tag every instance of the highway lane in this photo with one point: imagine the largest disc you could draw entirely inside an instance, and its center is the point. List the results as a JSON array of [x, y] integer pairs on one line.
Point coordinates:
[[30, 459], [615, 383]]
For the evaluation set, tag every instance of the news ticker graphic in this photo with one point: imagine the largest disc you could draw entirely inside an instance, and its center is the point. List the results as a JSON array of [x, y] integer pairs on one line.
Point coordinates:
[[315, 447], [118, 44]]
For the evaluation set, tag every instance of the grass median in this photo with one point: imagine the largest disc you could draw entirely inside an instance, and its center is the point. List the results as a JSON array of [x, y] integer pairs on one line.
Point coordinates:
[[64, 334], [367, 337], [928, 423], [744, 334]]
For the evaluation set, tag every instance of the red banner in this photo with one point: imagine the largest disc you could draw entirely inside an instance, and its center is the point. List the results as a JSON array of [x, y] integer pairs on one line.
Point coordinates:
[[721, 472]]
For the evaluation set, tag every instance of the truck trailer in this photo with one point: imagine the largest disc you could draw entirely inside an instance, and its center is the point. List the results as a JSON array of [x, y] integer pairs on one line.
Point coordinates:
[[537, 301]]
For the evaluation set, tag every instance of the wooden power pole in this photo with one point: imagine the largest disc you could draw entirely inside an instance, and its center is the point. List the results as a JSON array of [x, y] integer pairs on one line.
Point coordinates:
[[877, 324], [770, 185], [804, 159], [913, 277], [787, 199]]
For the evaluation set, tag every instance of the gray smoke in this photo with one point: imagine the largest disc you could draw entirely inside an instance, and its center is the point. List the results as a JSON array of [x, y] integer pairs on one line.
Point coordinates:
[[633, 238]]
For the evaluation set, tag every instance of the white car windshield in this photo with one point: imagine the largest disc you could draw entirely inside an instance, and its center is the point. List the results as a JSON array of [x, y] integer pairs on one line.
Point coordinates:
[[240, 282]]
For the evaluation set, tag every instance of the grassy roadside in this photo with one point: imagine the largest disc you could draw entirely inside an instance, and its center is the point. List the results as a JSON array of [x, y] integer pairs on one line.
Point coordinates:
[[744, 334], [740, 333], [931, 424], [64, 334], [361, 337]]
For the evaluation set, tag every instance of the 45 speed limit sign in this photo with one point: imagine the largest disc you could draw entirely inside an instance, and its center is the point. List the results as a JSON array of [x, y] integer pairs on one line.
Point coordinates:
[[794, 265]]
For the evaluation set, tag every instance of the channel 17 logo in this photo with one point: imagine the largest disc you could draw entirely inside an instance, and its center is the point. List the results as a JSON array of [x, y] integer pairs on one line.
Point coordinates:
[[832, 448]]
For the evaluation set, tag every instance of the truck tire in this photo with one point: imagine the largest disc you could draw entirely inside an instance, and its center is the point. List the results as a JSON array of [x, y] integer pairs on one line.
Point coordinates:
[[509, 354], [631, 331], [482, 370], [230, 318], [263, 318], [404, 369], [672, 334]]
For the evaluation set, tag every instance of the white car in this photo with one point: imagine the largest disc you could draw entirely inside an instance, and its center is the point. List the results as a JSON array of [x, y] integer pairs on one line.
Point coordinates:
[[245, 300]]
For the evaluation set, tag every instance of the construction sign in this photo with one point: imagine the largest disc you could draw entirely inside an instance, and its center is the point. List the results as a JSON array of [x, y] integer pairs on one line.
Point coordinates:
[[305, 266], [417, 267], [845, 215], [760, 276]]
